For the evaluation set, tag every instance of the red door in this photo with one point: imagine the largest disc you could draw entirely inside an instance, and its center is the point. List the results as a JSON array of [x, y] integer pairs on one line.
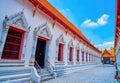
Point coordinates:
[[78, 55], [86, 57], [83, 56], [70, 54]]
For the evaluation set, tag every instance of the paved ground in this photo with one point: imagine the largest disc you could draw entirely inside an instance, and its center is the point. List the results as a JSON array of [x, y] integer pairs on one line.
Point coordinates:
[[100, 74]]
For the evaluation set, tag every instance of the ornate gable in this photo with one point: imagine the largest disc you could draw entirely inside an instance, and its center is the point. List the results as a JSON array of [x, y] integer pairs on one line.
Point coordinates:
[[43, 30], [106, 54], [70, 44], [82, 47], [18, 20], [77, 47], [60, 40]]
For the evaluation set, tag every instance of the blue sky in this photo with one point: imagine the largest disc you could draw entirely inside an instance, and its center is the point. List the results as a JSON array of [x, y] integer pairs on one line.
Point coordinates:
[[95, 19]]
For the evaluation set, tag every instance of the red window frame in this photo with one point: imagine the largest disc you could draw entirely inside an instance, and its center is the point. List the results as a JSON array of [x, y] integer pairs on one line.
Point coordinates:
[[83, 56], [60, 52], [78, 55], [20, 45], [71, 54]]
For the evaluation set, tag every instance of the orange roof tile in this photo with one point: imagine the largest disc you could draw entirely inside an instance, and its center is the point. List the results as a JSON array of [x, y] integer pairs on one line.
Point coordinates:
[[107, 53], [60, 16], [46, 7]]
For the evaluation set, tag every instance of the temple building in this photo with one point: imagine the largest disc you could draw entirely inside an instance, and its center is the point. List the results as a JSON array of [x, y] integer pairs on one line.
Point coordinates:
[[107, 56], [35, 39]]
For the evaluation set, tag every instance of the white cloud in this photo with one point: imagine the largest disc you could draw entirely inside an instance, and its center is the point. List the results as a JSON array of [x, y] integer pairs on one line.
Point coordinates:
[[103, 19], [100, 22], [105, 45], [89, 23]]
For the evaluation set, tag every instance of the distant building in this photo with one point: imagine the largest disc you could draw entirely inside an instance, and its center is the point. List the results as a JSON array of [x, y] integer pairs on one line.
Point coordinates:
[[107, 56]]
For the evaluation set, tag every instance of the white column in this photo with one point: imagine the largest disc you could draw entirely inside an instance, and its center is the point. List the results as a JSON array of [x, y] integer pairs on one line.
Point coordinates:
[[66, 54]]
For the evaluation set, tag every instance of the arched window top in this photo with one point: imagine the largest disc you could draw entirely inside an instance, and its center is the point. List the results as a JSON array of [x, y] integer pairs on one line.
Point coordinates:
[[78, 47], [17, 20], [43, 30], [82, 47], [14, 28], [60, 39], [70, 44]]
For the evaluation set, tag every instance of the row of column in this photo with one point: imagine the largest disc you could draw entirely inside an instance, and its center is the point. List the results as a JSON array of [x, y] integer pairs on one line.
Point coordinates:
[[75, 56], [86, 57]]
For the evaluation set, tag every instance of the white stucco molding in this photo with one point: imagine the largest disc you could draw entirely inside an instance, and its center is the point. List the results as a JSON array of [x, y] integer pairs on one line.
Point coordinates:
[[70, 44], [77, 47], [43, 31], [85, 48], [82, 48], [17, 20], [60, 39]]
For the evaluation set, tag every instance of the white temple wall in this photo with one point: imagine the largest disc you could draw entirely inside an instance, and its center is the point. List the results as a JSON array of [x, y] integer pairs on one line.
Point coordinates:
[[37, 20]]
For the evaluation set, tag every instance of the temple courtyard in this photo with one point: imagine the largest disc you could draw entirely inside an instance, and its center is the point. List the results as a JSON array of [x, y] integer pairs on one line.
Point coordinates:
[[98, 74]]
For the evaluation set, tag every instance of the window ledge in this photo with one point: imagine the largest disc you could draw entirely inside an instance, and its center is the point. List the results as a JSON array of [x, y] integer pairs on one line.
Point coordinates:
[[77, 62], [4, 63], [31, 63], [70, 63], [59, 63]]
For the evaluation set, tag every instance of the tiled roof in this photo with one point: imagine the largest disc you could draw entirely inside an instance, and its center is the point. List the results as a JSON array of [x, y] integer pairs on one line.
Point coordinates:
[[47, 8], [107, 53]]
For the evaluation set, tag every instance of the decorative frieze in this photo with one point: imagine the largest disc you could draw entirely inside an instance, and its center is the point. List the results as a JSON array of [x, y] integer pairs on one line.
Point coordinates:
[[78, 47], [43, 30], [70, 44], [60, 39], [18, 20]]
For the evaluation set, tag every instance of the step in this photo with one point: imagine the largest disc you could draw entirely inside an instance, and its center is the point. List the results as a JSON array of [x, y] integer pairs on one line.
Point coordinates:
[[15, 72], [13, 77], [22, 80], [46, 74], [46, 78], [42, 71]]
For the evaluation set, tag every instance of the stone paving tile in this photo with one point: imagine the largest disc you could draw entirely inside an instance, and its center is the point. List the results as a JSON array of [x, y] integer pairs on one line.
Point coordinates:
[[99, 74]]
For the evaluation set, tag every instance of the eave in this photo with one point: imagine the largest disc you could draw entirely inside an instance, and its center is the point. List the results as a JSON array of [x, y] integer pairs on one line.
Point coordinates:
[[48, 9]]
